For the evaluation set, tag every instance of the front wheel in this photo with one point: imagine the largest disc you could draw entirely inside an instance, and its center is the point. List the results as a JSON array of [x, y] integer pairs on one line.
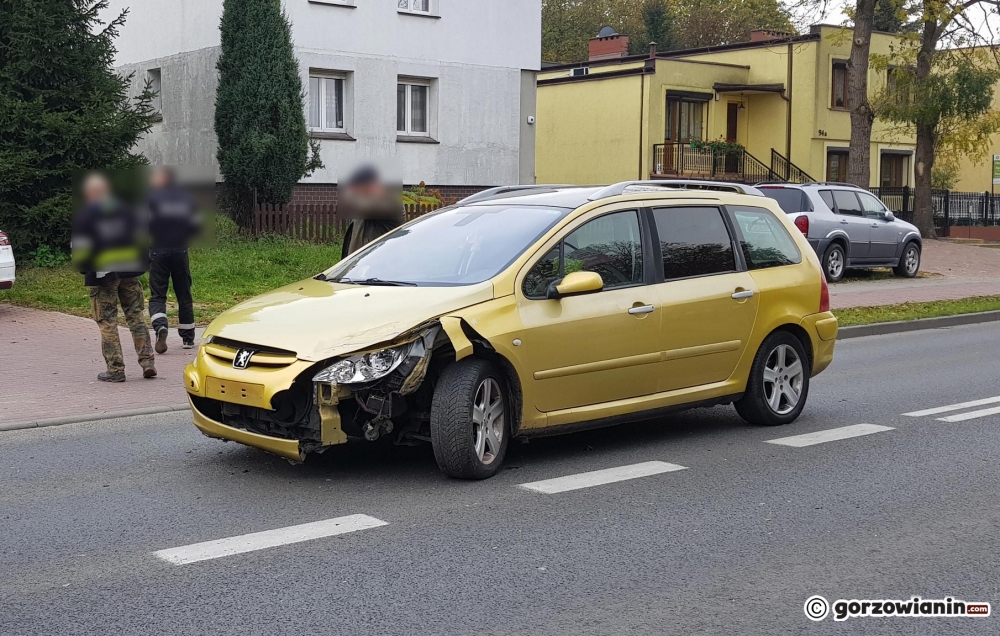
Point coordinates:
[[778, 384], [909, 262], [469, 419]]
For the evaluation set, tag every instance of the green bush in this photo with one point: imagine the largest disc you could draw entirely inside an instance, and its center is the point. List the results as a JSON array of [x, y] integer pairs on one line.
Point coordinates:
[[47, 257]]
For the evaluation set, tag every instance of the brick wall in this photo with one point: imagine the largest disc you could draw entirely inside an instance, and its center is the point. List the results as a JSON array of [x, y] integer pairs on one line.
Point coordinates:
[[327, 192]]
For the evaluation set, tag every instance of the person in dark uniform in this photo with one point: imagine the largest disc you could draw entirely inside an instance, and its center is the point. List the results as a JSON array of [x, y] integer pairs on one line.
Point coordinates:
[[374, 209], [107, 249], [174, 221]]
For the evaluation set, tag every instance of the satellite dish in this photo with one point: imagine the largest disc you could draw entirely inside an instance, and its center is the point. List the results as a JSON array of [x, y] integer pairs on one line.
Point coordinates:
[[607, 32]]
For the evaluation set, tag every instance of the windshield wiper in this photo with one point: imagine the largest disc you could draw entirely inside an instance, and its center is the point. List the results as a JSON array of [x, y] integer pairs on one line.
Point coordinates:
[[378, 282]]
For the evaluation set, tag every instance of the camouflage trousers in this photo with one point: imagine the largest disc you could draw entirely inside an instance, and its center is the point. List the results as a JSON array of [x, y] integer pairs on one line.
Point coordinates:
[[104, 302]]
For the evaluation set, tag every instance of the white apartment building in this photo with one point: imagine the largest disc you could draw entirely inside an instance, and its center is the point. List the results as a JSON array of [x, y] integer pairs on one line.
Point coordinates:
[[443, 89]]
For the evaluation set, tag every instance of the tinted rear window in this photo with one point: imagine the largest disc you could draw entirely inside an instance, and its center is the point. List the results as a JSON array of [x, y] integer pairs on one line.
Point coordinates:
[[791, 200]]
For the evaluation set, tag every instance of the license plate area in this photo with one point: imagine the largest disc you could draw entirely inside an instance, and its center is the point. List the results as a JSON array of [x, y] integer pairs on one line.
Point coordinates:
[[235, 392]]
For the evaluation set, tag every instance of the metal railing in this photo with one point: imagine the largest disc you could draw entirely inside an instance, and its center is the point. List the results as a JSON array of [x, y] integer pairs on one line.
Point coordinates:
[[950, 208], [731, 165], [786, 170]]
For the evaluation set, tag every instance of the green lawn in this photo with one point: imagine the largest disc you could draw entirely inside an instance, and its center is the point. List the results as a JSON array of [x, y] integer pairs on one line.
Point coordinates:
[[234, 270], [912, 311]]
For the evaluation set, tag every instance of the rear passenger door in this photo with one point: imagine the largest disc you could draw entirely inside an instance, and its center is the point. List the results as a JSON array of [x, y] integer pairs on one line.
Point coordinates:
[[853, 221], [709, 300]]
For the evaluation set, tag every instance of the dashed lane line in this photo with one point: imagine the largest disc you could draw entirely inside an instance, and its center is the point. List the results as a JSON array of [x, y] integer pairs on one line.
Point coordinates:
[[267, 539], [831, 435], [601, 477], [971, 415], [954, 407]]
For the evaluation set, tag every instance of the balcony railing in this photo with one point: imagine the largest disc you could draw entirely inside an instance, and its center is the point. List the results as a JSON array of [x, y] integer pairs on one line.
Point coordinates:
[[729, 165]]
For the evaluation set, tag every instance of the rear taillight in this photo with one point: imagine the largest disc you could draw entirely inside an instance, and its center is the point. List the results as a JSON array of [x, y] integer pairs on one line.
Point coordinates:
[[824, 294], [802, 222], [3, 239]]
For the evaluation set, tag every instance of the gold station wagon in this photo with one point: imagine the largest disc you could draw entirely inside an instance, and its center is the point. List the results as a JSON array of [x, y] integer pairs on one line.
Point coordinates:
[[527, 311]]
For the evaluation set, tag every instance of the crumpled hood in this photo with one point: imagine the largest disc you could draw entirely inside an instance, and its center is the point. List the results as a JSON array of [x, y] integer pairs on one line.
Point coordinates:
[[319, 320]]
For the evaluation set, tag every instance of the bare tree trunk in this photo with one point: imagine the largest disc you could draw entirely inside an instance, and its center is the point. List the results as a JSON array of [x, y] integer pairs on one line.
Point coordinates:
[[923, 207], [862, 116]]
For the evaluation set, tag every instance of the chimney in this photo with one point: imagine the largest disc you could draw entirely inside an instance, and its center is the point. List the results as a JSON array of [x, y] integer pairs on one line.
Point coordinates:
[[608, 45], [766, 35]]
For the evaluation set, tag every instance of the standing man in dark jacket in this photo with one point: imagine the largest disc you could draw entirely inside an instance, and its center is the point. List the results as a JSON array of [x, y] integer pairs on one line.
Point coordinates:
[[173, 222], [107, 248], [374, 209]]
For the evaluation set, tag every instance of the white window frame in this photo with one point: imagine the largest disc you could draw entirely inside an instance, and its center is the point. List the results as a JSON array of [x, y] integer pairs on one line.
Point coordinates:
[[409, 83], [413, 6], [341, 77], [155, 78]]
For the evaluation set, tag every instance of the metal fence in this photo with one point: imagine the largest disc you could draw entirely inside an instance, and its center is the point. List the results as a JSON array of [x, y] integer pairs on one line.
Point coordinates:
[[950, 208], [732, 165], [317, 222]]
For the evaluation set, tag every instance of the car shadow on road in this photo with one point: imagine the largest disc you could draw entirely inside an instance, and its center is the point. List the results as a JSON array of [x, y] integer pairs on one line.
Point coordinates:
[[360, 461]]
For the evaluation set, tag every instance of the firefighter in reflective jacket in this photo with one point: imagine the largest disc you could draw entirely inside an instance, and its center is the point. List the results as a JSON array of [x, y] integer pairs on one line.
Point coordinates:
[[174, 221]]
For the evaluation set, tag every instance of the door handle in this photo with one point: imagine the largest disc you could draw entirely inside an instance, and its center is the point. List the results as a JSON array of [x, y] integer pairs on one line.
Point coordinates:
[[642, 309], [875, 225], [740, 295], [844, 221]]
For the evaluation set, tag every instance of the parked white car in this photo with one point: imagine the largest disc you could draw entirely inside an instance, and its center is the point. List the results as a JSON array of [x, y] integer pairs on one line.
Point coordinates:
[[6, 262]]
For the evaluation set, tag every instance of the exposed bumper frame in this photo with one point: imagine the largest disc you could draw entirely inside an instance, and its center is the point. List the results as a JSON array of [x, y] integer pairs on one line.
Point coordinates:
[[287, 448]]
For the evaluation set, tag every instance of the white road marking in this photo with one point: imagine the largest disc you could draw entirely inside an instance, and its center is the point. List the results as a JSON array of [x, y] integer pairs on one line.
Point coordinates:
[[954, 407], [267, 539], [601, 477], [971, 415], [832, 435]]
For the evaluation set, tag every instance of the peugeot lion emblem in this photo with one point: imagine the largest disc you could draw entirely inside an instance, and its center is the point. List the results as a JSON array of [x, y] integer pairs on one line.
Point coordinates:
[[242, 358]]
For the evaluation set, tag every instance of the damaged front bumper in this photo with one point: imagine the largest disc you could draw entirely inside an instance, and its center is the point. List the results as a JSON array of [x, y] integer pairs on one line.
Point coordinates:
[[276, 405]]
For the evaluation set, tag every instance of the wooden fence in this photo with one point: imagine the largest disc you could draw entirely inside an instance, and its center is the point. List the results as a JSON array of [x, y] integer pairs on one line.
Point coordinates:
[[316, 222]]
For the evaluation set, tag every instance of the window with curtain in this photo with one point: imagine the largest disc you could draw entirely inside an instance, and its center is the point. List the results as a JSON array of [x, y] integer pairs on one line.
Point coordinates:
[[412, 108], [326, 103]]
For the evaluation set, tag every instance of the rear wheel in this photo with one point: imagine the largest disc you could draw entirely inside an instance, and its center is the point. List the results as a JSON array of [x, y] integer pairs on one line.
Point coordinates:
[[834, 263], [469, 419], [778, 384], [909, 262]]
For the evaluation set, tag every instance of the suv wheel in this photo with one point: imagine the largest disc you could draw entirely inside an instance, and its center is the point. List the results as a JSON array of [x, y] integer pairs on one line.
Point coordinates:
[[909, 262], [469, 422], [778, 384], [834, 263]]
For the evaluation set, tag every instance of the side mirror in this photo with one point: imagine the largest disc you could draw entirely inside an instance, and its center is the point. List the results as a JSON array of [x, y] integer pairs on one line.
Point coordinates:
[[889, 216], [574, 284]]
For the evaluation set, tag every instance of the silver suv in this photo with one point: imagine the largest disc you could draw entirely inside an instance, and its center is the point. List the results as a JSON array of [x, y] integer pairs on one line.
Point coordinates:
[[849, 227]]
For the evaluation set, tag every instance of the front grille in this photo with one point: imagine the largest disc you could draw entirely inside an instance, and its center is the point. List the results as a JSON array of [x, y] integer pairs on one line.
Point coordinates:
[[224, 351]]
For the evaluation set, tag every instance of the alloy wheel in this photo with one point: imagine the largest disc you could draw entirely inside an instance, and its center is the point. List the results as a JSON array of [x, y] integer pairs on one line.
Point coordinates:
[[783, 374], [488, 420], [835, 264], [911, 260]]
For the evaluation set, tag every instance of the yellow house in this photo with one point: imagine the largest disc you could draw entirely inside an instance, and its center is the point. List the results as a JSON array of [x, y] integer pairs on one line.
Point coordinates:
[[782, 98]]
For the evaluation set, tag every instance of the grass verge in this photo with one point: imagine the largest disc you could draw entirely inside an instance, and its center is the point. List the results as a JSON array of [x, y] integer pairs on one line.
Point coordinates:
[[234, 270], [913, 311]]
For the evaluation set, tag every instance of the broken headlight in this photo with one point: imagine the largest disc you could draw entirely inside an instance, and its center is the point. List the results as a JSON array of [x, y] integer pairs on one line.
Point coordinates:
[[363, 368]]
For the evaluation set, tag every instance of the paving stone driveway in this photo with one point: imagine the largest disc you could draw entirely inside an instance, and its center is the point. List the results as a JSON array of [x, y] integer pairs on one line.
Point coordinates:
[[49, 361]]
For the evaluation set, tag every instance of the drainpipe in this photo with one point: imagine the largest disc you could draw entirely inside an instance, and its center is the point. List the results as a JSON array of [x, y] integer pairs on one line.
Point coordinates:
[[788, 108], [648, 67]]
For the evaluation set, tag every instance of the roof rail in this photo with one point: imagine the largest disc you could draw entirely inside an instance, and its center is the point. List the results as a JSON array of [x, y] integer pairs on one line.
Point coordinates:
[[503, 192], [678, 184], [832, 183]]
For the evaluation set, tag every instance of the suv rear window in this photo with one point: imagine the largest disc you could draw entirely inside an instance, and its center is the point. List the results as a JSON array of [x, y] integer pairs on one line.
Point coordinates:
[[791, 200]]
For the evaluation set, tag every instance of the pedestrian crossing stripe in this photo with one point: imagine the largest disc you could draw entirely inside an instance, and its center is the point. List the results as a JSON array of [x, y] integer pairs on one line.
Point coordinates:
[[960, 417]]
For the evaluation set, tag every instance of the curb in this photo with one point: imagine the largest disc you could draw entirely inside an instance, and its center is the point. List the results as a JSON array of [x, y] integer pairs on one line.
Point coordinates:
[[76, 419], [902, 326]]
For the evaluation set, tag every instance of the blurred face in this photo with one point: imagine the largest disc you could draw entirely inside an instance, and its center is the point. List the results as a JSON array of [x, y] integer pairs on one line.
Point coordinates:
[[95, 188], [161, 178], [372, 189]]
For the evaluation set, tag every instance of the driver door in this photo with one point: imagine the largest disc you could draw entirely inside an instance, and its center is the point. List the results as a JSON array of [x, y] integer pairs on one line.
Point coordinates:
[[597, 347]]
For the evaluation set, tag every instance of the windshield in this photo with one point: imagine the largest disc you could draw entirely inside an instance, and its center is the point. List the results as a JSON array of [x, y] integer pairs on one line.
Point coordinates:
[[456, 246], [791, 200]]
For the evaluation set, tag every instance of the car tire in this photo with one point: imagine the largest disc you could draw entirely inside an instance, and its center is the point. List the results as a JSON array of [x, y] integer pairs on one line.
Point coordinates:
[[470, 441], [769, 374], [909, 262], [834, 263]]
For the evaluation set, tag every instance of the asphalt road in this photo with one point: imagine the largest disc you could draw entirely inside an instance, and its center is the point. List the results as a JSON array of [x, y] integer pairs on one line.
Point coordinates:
[[732, 544]]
